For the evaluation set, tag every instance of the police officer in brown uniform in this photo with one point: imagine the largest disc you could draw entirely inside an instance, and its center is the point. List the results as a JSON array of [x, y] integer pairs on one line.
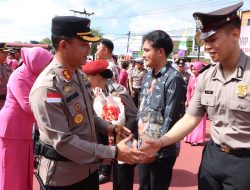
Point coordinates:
[[223, 92], [181, 66], [61, 102], [5, 72]]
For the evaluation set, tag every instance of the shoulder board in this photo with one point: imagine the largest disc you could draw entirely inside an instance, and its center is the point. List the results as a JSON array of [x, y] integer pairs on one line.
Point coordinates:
[[206, 67]]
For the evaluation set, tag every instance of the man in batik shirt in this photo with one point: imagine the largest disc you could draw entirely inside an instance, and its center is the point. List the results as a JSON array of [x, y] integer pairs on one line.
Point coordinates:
[[162, 104]]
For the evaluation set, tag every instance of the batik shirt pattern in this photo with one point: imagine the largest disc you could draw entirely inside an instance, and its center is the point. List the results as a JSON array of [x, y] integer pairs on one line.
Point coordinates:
[[162, 100]]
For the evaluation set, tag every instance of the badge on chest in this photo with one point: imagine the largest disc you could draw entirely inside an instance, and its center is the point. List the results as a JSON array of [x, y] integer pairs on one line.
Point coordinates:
[[241, 90], [78, 118]]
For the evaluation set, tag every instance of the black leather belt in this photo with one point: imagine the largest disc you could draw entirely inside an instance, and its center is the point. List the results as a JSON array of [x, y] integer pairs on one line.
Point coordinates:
[[3, 97], [237, 151], [48, 151]]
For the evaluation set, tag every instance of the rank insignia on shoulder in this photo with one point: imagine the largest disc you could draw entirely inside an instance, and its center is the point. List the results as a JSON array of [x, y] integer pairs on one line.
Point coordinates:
[[241, 90], [78, 118], [66, 74], [205, 68], [240, 72]]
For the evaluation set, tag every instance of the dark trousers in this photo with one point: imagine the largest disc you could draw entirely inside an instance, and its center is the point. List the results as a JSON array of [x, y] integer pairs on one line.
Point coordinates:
[[104, 169], [157, 175], [220, 170], [125, 176], [90, 182], [136, 97]]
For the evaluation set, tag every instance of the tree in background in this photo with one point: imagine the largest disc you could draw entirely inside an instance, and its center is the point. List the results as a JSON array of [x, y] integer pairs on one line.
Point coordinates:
[[96, 32], [46, 41]]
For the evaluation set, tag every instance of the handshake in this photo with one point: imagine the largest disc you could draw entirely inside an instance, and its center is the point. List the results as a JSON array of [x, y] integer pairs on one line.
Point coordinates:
[[128, 150]]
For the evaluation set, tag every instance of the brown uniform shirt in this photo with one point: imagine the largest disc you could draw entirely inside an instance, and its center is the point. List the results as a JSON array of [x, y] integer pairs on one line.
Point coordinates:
[[62, 106], [186, 77], [136, 77], [227, 103], [5, 72]]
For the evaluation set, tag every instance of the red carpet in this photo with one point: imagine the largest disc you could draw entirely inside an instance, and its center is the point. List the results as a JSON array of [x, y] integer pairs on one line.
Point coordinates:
[[185, 169]]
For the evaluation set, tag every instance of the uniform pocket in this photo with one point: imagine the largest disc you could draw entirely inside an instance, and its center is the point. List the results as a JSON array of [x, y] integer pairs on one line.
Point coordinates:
[[242, 105], [208, 100], [77, 110], [239, 112], [76, 107]]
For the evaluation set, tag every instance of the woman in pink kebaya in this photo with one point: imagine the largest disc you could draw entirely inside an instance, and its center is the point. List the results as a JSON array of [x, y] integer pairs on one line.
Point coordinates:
[[197, 136], [16, 157]]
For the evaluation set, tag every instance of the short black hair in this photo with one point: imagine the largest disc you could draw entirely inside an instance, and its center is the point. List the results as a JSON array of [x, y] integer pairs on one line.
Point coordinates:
[[159, 39], [55, 40], [107, 74], [108, 43], [125, 64], [114, 57]]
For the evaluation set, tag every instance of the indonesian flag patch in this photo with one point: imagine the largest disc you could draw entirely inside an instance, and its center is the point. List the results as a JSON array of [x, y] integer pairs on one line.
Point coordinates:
[[54, 97]]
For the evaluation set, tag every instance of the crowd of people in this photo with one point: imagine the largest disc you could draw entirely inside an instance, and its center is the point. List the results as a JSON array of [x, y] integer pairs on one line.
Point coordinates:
[[55, 93]]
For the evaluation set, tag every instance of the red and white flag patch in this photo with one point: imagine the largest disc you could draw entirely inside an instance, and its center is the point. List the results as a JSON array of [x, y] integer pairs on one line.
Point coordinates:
[[54, 97]]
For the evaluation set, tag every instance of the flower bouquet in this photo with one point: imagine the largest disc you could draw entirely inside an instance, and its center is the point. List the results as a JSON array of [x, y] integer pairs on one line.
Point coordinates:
[[111, 109]]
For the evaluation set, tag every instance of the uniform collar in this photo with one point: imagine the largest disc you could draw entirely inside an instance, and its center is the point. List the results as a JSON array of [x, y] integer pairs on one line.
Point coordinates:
[[61, 71], [238, 73]]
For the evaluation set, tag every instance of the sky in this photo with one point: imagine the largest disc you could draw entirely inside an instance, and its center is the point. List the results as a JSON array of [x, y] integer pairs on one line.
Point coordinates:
[[26, 20]]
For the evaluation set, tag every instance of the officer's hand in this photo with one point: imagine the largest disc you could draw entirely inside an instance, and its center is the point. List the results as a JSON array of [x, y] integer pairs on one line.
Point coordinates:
[[150, 146], [148, 160], [120, 133], [110, 132], [127, 154], [134, 143]]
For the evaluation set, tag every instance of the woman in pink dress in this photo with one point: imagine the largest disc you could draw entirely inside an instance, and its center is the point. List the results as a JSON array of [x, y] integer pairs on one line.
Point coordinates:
[[123, 76], [197, 136], [16, 158]]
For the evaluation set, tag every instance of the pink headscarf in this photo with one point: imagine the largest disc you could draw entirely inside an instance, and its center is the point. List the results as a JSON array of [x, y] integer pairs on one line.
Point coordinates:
[[35, 59], [197, 65]]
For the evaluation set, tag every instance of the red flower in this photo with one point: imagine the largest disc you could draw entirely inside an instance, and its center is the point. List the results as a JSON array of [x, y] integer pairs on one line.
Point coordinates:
[[110, 113]]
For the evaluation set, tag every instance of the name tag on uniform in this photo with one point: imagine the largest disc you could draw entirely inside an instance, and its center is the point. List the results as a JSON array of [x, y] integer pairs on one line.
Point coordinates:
[[209, 92], [72, 97], [53, 97]]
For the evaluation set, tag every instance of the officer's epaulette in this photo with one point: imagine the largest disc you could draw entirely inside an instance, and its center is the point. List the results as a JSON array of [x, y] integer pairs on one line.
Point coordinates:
[[206, 67]]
